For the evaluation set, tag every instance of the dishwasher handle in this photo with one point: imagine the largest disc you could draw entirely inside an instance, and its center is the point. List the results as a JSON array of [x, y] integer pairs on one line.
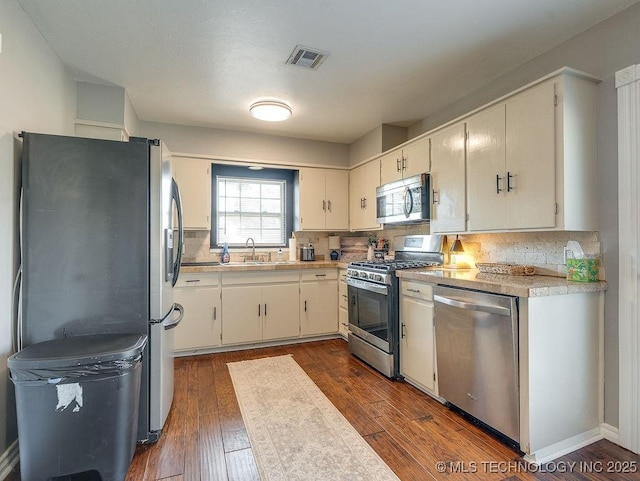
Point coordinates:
[[472, 306]]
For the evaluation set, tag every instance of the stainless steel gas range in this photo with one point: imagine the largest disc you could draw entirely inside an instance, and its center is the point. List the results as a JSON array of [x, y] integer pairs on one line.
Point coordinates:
[[373, 292]]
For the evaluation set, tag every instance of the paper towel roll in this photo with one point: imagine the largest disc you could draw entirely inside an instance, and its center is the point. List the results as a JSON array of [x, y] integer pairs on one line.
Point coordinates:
[[293, 251]]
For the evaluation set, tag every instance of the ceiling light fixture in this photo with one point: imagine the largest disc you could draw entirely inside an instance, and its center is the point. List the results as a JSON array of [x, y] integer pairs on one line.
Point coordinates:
[[270, 110]]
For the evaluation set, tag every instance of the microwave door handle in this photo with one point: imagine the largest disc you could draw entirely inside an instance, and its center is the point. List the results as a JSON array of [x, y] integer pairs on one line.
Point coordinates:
[[407, 196]]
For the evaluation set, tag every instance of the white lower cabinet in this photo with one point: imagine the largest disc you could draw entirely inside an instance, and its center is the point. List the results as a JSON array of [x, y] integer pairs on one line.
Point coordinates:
[[280, 319], [559, 361], [259, 306], [417, 341], [318, 301], [243, 307], [343, 304], [199, 294]]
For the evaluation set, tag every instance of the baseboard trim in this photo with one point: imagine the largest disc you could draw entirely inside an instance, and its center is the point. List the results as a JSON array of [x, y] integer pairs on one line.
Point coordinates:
[[610, 433], [9, 459], [255, 345], [566, 446]]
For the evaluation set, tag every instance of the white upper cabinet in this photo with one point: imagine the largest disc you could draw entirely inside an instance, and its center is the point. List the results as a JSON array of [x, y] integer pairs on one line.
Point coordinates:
[[193, 177], [363, 181], [531, 159], [448, 194], [323, 199], [412, 159], [486, 169]]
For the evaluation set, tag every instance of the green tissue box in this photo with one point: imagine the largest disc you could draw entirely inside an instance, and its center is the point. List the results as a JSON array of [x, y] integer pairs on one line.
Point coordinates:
[[583, 270]]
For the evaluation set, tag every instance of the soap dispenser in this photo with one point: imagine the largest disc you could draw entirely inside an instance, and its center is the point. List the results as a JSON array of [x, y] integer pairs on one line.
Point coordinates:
[[225, 253]]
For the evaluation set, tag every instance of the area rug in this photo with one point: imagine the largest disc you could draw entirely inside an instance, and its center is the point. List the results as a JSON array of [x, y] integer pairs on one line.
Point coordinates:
[[296, 433]]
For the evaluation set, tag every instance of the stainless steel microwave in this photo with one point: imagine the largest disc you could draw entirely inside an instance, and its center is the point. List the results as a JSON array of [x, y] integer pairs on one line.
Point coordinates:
[[405, 200]]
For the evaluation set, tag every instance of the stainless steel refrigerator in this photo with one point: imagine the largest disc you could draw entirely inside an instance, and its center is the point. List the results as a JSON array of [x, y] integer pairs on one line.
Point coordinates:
[[98, 251]]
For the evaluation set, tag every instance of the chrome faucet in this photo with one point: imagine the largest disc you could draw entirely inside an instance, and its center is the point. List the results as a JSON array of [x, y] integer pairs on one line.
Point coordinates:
[[253, 245]]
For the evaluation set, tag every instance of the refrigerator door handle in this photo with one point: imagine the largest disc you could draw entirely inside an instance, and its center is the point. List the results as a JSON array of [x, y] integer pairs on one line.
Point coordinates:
[[175, 322], [175, 195]]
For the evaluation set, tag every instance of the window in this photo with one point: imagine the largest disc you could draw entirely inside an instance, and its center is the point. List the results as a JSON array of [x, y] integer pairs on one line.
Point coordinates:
[[256, 204]]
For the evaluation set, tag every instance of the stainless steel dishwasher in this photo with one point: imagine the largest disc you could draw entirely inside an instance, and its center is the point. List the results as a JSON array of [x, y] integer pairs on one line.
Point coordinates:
[[477, 355]]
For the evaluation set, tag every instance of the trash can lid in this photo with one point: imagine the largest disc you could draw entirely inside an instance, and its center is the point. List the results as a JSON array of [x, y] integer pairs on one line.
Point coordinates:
[[79, 351]]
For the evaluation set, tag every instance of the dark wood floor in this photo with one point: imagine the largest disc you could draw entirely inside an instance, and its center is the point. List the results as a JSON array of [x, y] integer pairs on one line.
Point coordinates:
[[205, 438]]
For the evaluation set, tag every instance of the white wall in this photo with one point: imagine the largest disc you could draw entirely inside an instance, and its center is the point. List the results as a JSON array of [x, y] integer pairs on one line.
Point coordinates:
[[601, 50], [376, 141], [100, 103], [36, 94], [232, 144]]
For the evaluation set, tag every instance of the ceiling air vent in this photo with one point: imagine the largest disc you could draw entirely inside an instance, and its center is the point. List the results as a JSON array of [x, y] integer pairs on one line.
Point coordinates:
[[306, 57]]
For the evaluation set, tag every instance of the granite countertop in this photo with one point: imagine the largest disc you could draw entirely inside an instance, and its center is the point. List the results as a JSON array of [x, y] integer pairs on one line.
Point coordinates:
[[521, 286], [195, 267]]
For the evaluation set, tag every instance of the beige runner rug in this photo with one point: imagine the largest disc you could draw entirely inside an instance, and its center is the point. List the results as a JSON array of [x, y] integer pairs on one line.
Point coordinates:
[[296, 433]]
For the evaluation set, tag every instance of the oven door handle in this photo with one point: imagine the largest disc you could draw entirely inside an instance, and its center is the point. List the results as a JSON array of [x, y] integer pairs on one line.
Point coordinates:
[[368, 286]]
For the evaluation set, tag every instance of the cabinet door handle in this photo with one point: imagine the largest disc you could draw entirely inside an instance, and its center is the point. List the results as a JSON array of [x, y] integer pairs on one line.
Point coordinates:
[[265, 308], [365, 202], [436, 196], [402, 333], [362, 202], [397, 165], [404, 162], [259, 307], [345, 296], [324, 205], [305, 306], [509, 188], [329, 205], [215, 312], [498, 189]]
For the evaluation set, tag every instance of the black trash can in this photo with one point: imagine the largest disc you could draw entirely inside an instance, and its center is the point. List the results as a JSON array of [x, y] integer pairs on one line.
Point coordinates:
[[77, 405]]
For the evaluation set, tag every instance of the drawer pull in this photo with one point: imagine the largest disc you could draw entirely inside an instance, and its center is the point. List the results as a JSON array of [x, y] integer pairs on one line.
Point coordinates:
[[192, 280], [321, 275], [417, 291]]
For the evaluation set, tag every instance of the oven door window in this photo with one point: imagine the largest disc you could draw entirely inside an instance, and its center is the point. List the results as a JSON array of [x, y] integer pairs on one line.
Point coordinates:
[[369, 311]]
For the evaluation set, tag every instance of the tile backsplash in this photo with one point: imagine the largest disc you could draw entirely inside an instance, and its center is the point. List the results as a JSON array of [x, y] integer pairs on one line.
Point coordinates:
[[544, 250]]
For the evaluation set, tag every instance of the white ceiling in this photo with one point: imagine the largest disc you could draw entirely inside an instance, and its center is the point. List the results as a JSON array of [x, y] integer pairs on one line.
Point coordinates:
[[203, 62]]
